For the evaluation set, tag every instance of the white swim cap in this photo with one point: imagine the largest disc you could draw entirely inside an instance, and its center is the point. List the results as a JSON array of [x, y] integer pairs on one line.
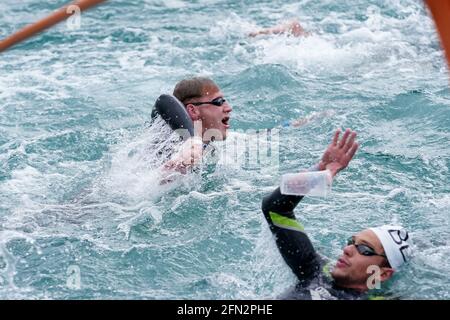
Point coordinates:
[[396, 244]]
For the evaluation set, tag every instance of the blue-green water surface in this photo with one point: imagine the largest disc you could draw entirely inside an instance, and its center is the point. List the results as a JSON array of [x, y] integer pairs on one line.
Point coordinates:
[[78, 193]]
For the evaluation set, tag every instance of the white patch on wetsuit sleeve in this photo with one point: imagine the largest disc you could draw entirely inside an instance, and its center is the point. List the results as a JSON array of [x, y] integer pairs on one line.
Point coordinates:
[[320, 293]]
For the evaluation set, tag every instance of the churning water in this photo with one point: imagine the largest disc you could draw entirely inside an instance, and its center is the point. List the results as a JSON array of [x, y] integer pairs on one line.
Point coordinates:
[[79, 192]]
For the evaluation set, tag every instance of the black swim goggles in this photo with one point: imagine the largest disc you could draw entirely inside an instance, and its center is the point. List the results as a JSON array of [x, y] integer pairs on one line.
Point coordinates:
[[363, 249], [218, 102]]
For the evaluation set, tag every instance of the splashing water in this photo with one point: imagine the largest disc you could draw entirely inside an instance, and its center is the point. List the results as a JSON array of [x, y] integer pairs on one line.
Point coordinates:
[[79, 165]]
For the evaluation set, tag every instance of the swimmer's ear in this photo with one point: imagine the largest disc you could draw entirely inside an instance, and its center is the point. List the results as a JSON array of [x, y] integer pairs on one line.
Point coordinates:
[[386, 273], [193, 112]]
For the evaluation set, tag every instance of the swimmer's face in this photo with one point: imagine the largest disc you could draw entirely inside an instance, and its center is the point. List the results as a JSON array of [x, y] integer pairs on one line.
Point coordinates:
[[215, 119], [353, 269]]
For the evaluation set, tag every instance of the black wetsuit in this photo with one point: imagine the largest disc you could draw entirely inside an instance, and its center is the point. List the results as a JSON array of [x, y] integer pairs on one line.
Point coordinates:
[[312, 271]]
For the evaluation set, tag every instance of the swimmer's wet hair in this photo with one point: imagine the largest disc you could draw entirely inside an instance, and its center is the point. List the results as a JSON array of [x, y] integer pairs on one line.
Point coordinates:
[[192, 88]]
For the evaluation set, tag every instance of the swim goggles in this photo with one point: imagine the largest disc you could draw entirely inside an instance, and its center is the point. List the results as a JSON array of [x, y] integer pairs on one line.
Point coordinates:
[[218, 102], [363, 249]]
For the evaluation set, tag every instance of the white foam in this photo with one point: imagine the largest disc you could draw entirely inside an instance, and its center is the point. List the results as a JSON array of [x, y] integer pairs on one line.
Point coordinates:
[[9, 272]]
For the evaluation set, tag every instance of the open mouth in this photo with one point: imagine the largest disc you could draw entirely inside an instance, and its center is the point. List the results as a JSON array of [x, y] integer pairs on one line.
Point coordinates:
[[341, 263], [226, 122]]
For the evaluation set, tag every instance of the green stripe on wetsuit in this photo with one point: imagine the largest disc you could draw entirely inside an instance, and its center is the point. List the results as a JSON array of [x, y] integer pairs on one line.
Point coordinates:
[[285, 222]]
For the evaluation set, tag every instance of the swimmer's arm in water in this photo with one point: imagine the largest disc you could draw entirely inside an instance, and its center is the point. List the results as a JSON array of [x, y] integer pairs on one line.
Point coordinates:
[[189, 155], [292, 242], [303, 121], [293, 28]]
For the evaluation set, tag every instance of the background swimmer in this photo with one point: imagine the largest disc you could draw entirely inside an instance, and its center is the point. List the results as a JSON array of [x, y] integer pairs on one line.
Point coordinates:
[[291, 28]]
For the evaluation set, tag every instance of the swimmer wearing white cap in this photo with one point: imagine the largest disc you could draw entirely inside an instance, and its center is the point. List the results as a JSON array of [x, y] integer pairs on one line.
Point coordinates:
[[370, 257]]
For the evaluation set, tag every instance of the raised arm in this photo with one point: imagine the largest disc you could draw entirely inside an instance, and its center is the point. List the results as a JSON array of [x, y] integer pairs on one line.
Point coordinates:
[[292, 242]]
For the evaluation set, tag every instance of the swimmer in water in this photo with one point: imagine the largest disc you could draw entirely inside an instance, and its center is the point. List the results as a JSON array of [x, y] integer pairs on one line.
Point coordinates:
[[210, 113], [291, 28], [206, 106], [370, 257]]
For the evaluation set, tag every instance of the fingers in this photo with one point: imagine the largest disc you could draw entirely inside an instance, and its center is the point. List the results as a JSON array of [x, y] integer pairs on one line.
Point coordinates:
[[352, 150], [350, 141], [336, 137], [344, 138]]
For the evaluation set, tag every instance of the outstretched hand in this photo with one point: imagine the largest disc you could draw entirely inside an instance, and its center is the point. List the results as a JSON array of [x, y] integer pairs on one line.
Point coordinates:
[[339, 153]]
